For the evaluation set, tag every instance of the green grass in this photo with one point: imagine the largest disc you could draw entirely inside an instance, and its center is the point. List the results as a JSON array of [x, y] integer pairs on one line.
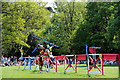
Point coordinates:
[[14, 72]]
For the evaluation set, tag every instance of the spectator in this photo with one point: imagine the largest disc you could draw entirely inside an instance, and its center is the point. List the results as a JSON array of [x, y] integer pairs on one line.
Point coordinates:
[[105, 62], [15, 60], [0, 64], [6, 59], [17, 64], [11, 61], [111, 62], [2, 60], [115, 62], [85, 62]]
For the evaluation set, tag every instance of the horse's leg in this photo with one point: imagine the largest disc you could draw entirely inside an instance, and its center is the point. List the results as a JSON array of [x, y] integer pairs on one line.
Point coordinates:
[[44, 64], [46, 68], [39, 68], [48, 65]]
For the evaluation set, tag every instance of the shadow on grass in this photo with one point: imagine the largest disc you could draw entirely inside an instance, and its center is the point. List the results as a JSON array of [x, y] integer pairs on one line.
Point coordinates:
[[94, 75], [81, 66], [35, 71], [23, 70], [88, 75], [17, 69], [108, 65]]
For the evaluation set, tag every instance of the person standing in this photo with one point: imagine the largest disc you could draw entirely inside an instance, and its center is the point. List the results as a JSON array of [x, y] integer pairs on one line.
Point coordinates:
[[11, 61], [2, 61], [15, 60]]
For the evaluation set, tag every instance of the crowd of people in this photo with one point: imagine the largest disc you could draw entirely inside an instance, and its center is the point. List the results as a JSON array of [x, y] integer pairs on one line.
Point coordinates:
[[14, 61], [9, 61]]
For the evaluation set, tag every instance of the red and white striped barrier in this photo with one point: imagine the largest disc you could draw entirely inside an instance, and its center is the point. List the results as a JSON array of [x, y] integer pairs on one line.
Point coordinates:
[[87, 57], [94, 61]]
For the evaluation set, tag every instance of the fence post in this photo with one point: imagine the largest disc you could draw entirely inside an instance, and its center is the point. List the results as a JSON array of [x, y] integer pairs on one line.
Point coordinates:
[[119, 63], [56, 65], [75, 63], [102, 63]]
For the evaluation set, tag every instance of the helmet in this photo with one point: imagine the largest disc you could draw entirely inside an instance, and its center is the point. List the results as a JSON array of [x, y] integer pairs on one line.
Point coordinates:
[[47, 46], [50, 44]]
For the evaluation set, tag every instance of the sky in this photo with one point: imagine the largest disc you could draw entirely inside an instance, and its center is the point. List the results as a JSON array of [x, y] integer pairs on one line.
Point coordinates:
[[48, 1], [50, 4]]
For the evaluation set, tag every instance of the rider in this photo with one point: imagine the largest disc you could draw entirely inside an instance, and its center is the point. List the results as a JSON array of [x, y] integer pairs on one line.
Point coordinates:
[[46, 58], [43, 58], [40, 59], [50, 50]]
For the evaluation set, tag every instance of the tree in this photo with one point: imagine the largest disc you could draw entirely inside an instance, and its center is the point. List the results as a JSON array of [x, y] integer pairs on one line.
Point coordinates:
[[96, 27], [69, 14], [113, 29], [18, 21]]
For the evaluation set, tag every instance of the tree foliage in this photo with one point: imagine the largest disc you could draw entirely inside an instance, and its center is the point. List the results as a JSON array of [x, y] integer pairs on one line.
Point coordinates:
[[18, 21], [81, 23], [100, 27], [71, 15]]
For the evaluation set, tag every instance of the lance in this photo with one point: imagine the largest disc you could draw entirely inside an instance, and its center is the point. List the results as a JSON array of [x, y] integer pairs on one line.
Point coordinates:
[[46, 37]]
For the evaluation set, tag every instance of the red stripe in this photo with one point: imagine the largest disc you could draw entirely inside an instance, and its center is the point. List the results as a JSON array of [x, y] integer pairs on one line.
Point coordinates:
[[81, 57], [59, 57], [98, 68], [67, 68], [91, 58], [97, 59], [110, 56], [52, 64], [91, 67]]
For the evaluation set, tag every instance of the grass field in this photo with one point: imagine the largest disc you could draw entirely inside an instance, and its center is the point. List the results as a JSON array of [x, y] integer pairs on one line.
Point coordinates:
[[14, 72]]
